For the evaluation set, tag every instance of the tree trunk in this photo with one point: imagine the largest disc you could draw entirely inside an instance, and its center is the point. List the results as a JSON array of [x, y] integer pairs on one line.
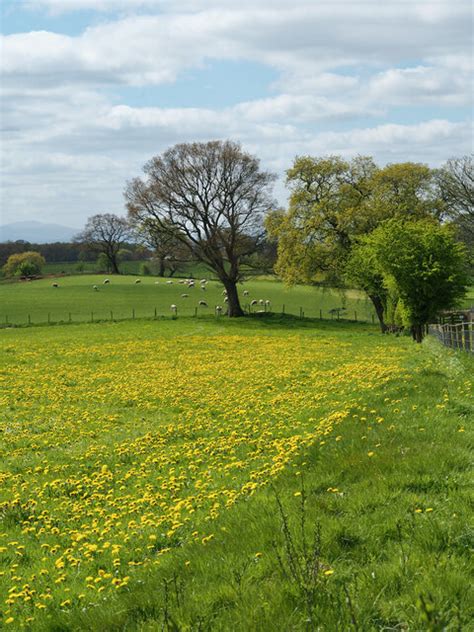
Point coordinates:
[[417, 332], [113, 265], [379, 310], [233, 304], [162, 269]]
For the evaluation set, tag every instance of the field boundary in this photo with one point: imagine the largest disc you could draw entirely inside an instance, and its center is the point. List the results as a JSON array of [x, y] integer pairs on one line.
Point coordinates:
[[459, 336]]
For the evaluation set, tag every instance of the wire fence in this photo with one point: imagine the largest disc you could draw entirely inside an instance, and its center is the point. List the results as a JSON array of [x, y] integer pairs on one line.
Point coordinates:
[[121, 314], [455, 335]]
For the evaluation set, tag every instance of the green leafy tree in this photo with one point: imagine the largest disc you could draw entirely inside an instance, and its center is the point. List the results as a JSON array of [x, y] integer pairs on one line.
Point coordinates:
[[421, 265], [27, 263], [332, 203]]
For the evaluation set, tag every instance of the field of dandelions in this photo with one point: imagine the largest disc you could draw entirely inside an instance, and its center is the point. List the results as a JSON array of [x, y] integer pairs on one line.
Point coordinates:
[[121, 444]]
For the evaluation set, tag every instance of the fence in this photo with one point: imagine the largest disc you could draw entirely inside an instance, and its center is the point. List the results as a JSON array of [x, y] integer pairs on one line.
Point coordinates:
[[455, 335], [61, 318]]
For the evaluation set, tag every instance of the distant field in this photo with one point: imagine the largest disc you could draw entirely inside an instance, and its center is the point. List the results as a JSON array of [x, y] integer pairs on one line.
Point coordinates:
[[75, 296]]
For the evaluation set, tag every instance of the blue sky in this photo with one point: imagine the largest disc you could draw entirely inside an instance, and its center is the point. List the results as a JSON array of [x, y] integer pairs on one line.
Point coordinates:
[[91, 89]]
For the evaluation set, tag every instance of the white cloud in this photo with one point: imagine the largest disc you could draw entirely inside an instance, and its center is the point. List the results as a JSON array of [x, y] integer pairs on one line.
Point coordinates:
[[341, 67]]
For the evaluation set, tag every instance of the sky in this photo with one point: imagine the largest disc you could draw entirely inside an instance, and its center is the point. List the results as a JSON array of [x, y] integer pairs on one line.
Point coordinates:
[[92, 89]]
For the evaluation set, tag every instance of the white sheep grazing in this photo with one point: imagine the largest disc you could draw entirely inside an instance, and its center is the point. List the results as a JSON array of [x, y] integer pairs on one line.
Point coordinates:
[[55, 285], [181, 281], [226, 300], [106, 281], [261, 301], [138, 280], [169, 282], [218, 309], [254, 302], [190, 284], [94, 287], [203, 303], [267, 302], [203, 281], [173, 308], [224, 292], [184, 295], [203, 288], [246, 292]]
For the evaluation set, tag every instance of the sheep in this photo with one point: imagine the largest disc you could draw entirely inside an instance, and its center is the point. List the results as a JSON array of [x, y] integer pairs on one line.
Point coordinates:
[[218, 309], [267, 302], [94, 287], [191, 284], [226, 300], [173, 308], [181, 281], [105, 281], [246, 292], [253, 303], [261, 302], [138, 281], [157, 282], [169, 282], [203, 288], [203, 281], [55, 285], [224, 292], [184, 295], [203, 303]]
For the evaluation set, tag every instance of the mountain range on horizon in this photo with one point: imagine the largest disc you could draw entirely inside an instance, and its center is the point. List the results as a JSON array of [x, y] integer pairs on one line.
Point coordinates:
[[36, 232]]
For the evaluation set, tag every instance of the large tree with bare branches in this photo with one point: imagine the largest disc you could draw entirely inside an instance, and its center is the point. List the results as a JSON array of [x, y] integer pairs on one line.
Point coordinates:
[[106, 233], [212, 197]]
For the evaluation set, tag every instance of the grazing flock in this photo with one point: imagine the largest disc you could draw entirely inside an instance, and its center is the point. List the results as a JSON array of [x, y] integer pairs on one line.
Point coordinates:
[[190, 283]]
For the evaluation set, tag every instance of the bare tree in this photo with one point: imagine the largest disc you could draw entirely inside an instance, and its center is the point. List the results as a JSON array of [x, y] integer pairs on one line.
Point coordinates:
[[168, 250], [212, 197], [456, 181], [106, 233]]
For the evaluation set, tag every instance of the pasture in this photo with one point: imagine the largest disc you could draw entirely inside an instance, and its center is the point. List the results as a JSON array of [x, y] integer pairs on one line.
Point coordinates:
[[212, 474], [76, 298]]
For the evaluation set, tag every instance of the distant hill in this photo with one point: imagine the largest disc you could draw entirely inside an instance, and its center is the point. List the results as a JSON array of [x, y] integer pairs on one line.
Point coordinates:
[[36, 232]]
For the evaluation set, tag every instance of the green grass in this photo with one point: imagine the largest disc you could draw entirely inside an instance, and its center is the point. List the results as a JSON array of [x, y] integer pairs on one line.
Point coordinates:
[[76, 296], [348, 452]]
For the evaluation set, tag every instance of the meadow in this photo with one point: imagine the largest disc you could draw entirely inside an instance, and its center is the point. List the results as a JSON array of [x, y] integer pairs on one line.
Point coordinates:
[[255, 474], [75, 299]]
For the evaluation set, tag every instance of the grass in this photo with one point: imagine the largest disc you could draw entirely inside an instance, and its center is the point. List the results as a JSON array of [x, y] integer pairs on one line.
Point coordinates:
[[75, 298], [260, 474]]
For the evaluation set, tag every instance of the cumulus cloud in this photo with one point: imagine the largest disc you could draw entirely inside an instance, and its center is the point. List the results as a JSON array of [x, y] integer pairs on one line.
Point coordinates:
[[341, 69]]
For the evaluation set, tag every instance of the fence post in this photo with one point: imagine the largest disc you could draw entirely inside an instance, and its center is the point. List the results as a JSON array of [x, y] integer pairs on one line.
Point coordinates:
[[155, 312], [373, 319], [320, 314], [29, 319], [92, 317], [195, 312], [111, 315], [301, 312], [49, 318], [283, 309], [70, 319], [355, 315], [6, 320]]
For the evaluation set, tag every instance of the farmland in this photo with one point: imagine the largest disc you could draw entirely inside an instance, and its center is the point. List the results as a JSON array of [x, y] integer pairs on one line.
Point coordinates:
[[76, 298], [144, 463]]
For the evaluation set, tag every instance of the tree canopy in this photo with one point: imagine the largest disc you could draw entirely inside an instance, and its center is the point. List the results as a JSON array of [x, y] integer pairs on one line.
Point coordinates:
[[333, 202], [211, 197], [419, 263], [106, 234]]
